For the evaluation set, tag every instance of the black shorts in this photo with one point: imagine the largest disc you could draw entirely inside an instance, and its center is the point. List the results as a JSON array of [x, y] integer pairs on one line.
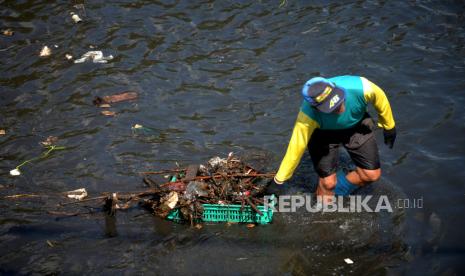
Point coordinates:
[[359, 141]]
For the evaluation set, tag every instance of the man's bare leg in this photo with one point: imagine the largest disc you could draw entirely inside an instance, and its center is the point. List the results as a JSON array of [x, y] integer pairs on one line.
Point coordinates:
[[362, 177], [325, 189], [359, 177]]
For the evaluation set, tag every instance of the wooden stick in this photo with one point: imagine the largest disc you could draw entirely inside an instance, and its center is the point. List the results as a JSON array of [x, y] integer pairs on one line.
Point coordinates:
[[21, 196], [84, 200], [223, 176], [238, 175], [164, 171], [121, 195]]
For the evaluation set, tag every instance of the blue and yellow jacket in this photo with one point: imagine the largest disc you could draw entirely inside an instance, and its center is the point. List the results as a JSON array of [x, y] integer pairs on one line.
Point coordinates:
[[359, 92]]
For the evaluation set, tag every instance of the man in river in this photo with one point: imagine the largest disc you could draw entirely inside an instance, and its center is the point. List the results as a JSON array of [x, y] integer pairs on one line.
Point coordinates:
[[334, 113]]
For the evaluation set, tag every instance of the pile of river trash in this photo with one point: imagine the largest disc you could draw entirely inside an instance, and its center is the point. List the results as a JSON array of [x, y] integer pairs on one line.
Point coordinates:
[[221, 181]]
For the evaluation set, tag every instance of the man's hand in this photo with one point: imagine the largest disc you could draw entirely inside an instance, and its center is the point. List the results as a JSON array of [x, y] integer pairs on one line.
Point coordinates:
[[275, 187], [390, 137]]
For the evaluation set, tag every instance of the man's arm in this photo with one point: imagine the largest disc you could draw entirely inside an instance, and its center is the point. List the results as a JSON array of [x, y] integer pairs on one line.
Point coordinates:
[[303, 129], [375, 95]]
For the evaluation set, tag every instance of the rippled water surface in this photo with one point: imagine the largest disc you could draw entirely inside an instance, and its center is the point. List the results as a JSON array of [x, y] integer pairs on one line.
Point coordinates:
[[214, 77]]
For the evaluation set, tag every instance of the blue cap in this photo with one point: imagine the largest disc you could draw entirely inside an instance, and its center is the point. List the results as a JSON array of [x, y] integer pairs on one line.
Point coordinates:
[[323, 94]]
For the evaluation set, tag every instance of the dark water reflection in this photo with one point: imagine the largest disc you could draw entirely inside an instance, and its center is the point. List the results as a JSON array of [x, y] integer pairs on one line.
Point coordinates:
[[215, 77]]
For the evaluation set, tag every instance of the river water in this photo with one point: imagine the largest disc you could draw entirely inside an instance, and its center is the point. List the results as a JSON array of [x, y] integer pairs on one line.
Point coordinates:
[[215, 77]]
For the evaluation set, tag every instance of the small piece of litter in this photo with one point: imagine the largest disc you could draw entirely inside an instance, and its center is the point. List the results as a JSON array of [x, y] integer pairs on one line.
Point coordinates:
[[2, 132], [50, 243], [69, 57], [137, 126], [348, 261], [7, 32], [108, 113], [198, 226], [122, 206], [116, 98], [250, 225], [75, 17], [104, 106], [94, 56], [78, 194], [172, 199], [45, 52], [15, 172], [51, 140]]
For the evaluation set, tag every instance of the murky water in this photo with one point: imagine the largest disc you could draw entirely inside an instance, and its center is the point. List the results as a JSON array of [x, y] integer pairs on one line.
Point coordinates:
[[215, 77]]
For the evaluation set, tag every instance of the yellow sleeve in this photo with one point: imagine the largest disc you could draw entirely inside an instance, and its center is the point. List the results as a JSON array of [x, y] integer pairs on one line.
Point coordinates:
[[303, 129], [375, 95]]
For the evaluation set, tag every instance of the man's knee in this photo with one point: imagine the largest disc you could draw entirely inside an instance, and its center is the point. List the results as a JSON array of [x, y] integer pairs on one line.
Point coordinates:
[[370, 175]]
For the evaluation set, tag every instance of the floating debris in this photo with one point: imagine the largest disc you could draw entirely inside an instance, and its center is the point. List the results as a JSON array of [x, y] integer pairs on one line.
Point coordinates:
[[2, 132], [75, 17], [116, 98], [21, 196], [140, 129], [45, 52], [78, 194], [50, 244], [220, 181], [104, 106], [15, 172], [68, 57], [108, 113], [51, 140], [171, 200], [348, 261], [8, 32], [95, 57], [196, 189]]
